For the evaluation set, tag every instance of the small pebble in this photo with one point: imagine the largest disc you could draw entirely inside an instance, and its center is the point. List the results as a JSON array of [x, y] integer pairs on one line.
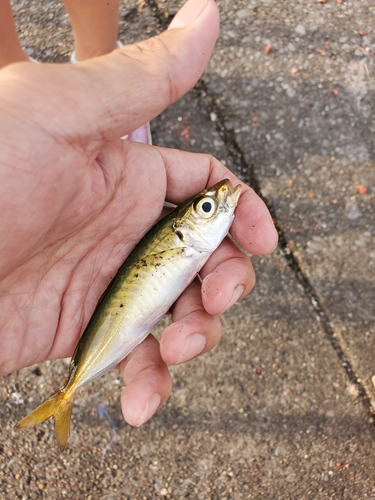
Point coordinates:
[[300, 30]]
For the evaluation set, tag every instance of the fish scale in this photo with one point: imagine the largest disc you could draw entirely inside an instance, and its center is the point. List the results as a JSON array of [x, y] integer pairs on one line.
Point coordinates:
[[144, 299], [145, 287]]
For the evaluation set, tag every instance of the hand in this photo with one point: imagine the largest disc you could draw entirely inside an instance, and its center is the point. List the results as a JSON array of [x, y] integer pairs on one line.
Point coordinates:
[[75, 199]]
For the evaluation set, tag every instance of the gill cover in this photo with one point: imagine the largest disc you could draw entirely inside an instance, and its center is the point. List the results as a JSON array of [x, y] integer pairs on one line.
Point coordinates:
[[200, 225]]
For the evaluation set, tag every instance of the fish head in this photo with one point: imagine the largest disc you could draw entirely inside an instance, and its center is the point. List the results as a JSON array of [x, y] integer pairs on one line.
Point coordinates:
[[204, 220]]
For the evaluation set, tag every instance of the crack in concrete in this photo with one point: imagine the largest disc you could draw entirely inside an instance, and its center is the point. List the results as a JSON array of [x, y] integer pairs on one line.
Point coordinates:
[[246, 173]]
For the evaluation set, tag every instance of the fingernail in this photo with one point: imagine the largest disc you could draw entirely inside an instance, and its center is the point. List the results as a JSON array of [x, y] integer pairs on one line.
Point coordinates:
[[237, 292], [194, 344], [151, 405], [188, 13]]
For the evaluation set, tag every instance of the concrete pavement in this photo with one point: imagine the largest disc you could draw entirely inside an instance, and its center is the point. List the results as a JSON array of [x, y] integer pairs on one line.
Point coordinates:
[[283, 407]]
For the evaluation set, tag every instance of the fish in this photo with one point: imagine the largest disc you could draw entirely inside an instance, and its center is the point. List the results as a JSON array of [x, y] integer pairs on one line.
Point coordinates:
[[147, 284]]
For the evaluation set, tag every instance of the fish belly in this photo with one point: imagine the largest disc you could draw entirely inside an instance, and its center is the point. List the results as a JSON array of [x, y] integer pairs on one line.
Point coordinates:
[[147, 297]]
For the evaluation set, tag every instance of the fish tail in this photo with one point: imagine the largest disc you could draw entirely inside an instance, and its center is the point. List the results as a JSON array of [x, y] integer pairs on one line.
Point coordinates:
[[59, 407]]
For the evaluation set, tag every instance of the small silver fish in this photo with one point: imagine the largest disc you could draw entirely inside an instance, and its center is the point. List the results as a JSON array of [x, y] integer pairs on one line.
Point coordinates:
[[145, 287]]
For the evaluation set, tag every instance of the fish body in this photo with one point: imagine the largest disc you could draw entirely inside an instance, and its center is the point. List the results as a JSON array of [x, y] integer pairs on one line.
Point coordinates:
[[145, 287]]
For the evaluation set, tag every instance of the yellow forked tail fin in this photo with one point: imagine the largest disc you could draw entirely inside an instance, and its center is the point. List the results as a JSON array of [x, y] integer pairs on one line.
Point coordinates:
[[59, 407]]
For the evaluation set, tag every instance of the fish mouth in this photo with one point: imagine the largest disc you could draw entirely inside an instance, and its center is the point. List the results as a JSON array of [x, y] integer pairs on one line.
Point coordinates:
[[226, 194]]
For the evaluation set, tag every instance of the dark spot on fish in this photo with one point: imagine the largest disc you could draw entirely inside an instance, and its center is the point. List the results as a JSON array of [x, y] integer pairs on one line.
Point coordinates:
[[137, 275], [121, 305], [180, 235]]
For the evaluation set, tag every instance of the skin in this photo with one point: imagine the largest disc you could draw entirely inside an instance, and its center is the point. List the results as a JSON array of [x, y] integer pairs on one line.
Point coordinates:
[[75, 199], [94, 24], [10, 47]]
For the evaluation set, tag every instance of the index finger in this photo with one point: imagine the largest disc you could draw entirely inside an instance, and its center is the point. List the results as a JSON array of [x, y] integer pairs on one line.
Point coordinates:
[[189, 173]]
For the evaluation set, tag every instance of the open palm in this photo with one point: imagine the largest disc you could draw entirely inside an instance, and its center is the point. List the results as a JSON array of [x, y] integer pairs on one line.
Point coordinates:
[[75, 199]]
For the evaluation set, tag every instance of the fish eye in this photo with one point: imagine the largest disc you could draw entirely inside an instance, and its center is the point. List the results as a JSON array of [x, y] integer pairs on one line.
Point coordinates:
[[205, 207]]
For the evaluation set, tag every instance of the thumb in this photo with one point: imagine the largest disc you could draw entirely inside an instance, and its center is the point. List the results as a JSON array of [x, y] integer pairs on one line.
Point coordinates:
[[124, 90]]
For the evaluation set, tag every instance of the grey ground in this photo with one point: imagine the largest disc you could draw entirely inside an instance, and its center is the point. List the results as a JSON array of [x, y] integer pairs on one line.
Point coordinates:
[[284, 407]]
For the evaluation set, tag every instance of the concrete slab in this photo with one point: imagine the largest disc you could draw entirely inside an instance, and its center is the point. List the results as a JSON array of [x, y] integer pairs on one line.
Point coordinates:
[[271, 412], [296, 89]]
